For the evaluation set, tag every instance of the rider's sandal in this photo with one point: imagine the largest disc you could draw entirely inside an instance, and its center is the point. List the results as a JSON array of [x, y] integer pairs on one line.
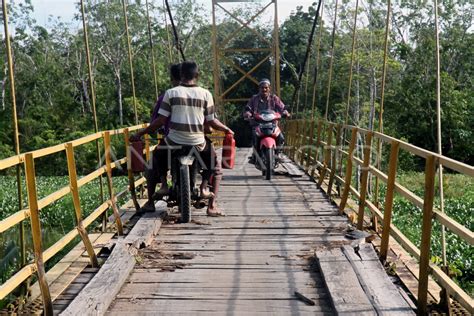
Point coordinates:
[[163, 191], [216, 213], [147, 207], [206, 195]]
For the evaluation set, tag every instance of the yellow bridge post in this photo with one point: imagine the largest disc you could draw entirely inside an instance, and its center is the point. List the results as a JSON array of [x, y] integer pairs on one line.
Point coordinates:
[[108, 162], [348, 178], [364, 180], [131, 180], [388, 205], [36, 233], [327, 154], [334, 158], [71, 166], [430, 172]]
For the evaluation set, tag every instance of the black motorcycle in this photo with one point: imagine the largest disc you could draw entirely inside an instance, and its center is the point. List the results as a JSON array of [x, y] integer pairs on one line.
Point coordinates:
[[184, 169]]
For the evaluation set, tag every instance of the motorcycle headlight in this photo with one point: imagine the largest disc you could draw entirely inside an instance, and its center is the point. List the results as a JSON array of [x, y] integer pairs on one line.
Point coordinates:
[[268, 117]]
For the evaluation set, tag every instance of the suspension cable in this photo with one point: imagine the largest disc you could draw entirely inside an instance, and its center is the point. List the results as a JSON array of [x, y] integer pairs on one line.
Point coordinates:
[[170, 54], [438, 116], [308, 49], [16, 134], [331, 60], [130, 60], [354, 35], [351, 66], [317, 64], [178, 44], [92, 96], [382, 97], [385, 64], [152, 53]]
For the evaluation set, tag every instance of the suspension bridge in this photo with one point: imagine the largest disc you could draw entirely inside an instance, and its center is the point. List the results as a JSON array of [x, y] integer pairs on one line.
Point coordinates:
[[310, 241]]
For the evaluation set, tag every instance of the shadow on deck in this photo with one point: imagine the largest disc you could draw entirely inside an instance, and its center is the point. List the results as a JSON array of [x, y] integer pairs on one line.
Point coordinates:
[[259, 258]]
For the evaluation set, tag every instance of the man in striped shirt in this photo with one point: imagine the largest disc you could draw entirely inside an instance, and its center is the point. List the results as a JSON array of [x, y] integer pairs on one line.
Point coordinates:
[[188, 107]]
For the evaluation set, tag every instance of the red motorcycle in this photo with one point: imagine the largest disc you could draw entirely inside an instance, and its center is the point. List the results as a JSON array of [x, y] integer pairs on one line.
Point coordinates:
[[267, 131]]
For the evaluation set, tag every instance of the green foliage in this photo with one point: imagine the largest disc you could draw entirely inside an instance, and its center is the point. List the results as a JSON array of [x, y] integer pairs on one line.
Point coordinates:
[[54, 106], [459, 205], [56, 219]]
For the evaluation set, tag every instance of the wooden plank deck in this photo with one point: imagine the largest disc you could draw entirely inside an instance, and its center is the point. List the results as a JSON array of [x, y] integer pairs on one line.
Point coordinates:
[[252, 261]]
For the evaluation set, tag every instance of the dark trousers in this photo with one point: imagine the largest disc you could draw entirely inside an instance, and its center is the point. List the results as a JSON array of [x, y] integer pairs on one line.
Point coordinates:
[[163, 155], [153, 174]]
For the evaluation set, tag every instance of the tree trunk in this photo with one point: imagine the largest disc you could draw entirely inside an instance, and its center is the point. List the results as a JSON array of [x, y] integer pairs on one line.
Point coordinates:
[[86, 105], [4, 84], [118, 86]]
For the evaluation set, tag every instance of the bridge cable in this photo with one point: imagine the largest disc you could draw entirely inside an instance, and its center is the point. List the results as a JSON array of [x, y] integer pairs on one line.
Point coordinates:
[[16, 134], [178, 44], [317, 64], [93, 103], [438, 117], [130, 60], [354, 39], [152, 52], [382, 99], [170, 54], [351, 66], [331, 60], [308, 49]]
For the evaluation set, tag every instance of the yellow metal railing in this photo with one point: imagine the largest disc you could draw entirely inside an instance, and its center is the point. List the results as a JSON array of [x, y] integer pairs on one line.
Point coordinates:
[[35, 205], [318, 149]]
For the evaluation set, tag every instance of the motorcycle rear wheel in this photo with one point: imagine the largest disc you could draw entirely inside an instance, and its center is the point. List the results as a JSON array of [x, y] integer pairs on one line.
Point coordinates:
[[184, 194]]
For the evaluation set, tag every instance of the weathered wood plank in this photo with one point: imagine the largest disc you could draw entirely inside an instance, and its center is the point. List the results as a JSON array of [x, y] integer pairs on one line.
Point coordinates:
[[257, 232], [145, 230], [251, 220], [216, 307], [292, 169], [384, 295], [345, 292], [64, 272], [96, 297], [153, 292], [231, 278], [316, 216], [98, 294]]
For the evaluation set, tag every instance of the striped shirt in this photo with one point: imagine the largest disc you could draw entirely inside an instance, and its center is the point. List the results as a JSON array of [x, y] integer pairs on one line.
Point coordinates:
[[188, 107]]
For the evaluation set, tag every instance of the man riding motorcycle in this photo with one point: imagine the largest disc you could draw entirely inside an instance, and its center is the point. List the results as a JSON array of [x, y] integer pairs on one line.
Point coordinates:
[[263, 101], [187, 106]]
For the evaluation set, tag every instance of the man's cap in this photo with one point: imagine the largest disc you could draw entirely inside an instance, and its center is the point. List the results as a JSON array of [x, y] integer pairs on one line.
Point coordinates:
[[264, 81]]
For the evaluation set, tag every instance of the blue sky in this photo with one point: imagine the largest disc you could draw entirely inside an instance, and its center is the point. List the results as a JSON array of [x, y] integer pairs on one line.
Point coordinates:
[[67, 8]]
